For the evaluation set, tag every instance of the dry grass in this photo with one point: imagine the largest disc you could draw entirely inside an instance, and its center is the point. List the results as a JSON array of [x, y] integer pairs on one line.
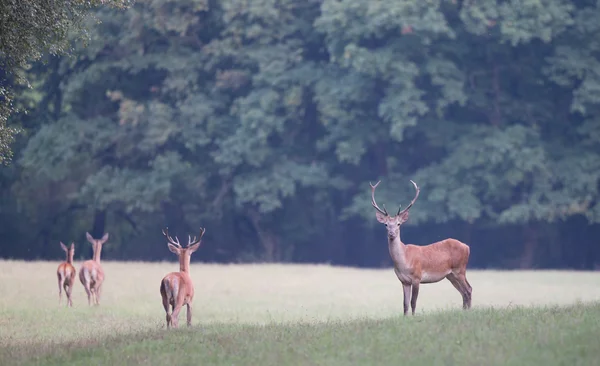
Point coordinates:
[[33, 324]]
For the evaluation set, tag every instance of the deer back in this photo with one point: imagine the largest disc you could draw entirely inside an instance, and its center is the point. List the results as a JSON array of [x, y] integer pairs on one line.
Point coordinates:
[[445, 255]]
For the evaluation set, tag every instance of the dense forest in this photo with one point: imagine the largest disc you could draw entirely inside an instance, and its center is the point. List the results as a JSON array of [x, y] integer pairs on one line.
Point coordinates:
[[264, 121]]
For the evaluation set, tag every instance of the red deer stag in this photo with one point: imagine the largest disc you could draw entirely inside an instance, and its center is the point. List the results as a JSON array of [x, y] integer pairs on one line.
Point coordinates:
[[91, 274], [176, 288], [415, 265], [66, 274]]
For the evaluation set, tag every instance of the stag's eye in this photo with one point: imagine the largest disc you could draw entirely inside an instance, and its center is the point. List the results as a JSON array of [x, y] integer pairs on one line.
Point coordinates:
[[385, 225]]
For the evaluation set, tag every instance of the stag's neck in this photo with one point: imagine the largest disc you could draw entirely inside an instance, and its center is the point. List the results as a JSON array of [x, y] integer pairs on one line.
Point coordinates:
[[97, 253], [397, 252], [184, 265], [70, 258]]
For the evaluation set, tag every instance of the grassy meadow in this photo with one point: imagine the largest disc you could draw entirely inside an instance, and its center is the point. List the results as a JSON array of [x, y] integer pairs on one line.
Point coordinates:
[[299, 315]]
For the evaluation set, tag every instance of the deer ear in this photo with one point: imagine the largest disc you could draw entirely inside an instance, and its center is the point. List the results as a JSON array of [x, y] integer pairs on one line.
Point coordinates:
[[173, 248], [195, 247], [72, 246], [403, 218], [89, 237], [64, 247], [380, 217], [104, 238]]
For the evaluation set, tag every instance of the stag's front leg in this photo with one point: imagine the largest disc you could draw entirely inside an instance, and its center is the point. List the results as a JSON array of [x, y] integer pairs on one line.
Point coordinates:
[[406, 289], [189, 314], [415, 294]]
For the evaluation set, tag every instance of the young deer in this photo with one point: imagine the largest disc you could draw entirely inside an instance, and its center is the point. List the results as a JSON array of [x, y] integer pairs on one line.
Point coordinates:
[[66, 274], [176, 288], [415, 265], [91, 274]]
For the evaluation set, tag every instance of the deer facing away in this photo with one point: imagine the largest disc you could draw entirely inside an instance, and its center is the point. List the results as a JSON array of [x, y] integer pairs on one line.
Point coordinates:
[[176, 288], [415, 265], [66, 274], [91, 274]]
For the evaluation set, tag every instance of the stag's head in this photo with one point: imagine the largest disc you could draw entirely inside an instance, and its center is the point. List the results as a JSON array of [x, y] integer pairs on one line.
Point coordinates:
[[392, 223], [185, 252]]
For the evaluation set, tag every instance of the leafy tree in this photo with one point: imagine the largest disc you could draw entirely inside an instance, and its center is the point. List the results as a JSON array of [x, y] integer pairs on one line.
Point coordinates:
[[29, 29], [265, 120]]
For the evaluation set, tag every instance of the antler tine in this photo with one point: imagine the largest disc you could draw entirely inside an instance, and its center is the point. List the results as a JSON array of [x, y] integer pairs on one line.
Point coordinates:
[[169, 238], [414, 199], [384, 211], [202, 231]]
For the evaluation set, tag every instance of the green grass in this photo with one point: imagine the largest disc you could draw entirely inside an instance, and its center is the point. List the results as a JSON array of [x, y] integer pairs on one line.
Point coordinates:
[[300, 315]]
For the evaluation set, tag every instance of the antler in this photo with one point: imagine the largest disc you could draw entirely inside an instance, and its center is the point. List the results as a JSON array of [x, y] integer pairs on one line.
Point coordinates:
[[166, 234], [384, 211], [413, 201], [194, 241]]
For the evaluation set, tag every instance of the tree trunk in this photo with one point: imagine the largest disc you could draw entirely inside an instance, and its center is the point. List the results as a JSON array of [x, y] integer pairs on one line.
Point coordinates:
[[530, 242], [268, 240], [98, 227]]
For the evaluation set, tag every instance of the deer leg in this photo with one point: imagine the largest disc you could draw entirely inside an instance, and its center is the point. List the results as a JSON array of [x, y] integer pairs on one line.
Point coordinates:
[[462, 279], [59, 290], [175, 316], [166, 304], [189, 314], [69, 290], [98, 293], [67, 287], [456, 283], [406, 289], [89, 293], [415, 294]]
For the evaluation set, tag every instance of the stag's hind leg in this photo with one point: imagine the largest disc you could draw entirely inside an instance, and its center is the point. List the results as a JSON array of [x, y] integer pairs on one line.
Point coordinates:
[[166, 305], [462, 279], [462, 289]]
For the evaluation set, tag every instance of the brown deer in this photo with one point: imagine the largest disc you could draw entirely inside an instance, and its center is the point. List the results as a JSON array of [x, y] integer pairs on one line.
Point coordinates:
[[415, 265], [176, 288], [66, 274], [91, 274]]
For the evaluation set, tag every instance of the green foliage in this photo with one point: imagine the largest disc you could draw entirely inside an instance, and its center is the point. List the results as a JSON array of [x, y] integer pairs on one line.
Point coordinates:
[[241, 114], [28, 30]]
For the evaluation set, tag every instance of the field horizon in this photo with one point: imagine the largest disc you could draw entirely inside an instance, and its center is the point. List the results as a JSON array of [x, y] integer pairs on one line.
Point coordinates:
[[246, 307]]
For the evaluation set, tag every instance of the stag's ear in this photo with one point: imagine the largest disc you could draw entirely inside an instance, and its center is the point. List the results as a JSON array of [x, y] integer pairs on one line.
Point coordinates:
[[72, 245], [195, 247], [380, 217], [89, 237], [174, 249], [403, 218], [64, 247], [104, 238]]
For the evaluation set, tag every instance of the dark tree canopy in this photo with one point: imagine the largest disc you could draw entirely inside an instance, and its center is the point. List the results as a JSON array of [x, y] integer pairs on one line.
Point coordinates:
[[264, 121], [28, 30]]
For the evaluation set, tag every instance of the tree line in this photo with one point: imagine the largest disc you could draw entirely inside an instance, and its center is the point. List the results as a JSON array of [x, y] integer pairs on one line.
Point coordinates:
[[265, 121]]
